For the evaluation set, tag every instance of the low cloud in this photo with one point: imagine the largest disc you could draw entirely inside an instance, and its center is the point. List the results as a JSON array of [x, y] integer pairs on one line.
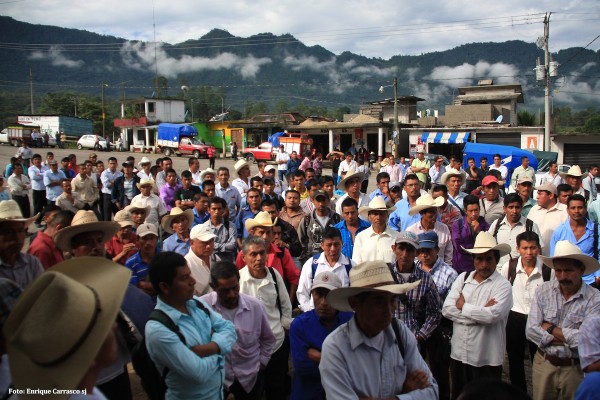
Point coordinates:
[[56, 58], [142, 57], [466, 74]]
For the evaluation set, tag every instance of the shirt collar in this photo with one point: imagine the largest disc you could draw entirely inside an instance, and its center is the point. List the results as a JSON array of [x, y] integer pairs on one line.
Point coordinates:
[[357, 337]]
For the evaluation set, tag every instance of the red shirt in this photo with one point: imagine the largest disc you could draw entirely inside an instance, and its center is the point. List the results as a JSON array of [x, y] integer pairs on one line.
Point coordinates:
[[114, 246], [283, 263], [45, 250]]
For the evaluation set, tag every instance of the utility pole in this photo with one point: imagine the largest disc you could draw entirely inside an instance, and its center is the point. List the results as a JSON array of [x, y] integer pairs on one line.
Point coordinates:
[[31, 90], [547, 120], [396, 132]]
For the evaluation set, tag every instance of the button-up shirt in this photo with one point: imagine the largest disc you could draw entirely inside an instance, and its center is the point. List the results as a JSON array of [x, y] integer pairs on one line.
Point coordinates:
[[115, 246], [254, 343], [190, 376], [264, 290], [508, 234], [436, 174], [52, 192], [86, 187], [167, 195], [200, 273], [200, 218], [27, 267], [399, 220], [345, 167], [372, 246], [458, 200], [503, 171], [421, 164], [157, 208], [304, 294], [520, 173], [45, 250], [36, 175], [527, 206], [19, 185], [231, 196], [378, 193], [363, 200], [347, 239], [245, 213], [63, 202], [585, 243], [395, 171], [479, 332], [241, 186], [176, 244], [294, 218], [553, 179], [589, 185], [463, 236], [524, 286], [491, 211], [106, 177], [354, 365], [547, 220], [225, 241], [138, 267], [442, 275], [593, 210], [549, 305], [444, 239]]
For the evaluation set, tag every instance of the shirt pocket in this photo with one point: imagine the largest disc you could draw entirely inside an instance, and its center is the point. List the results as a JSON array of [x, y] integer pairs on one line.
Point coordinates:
[[247, 339], [573, 319], [551, 315]]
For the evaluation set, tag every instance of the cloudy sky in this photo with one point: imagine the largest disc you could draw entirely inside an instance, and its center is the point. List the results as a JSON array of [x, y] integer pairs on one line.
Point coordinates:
[[374, 28]]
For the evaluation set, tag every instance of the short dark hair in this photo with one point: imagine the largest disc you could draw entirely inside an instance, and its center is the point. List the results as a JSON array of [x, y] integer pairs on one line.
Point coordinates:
[[497, 155], [292, 191], [208, 182], [326, 178], [256, 179], [171, 171], [469, 200], [382, 175], [269, 203], [528, 236], [223, 270], [36, 155], [440, 188], [312, 183], [299, 174], [563, 187], [162, 160], [331, 233], [163, 268], [483, 158], [349, 202], [109, 159], [471, 158], [309, 169], [222, 169], [184, 174], [268, 181], [191, 160], [575, 197], [524, 158], [217, 200], [411, 177], [513, 198], [253, 190], [62, 217]]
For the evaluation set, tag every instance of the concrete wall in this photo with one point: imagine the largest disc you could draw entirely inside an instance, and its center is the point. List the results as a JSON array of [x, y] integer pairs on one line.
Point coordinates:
[[455, 114]]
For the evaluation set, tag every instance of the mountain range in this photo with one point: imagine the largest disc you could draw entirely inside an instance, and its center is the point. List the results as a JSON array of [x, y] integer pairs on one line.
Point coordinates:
[[269, 68]]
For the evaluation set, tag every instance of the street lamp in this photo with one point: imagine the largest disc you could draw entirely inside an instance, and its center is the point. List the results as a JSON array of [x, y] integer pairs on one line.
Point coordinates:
[[396, 134], [102, 86]]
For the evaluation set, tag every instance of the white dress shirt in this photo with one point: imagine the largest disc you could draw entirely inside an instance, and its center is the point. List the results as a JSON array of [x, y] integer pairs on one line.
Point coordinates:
[[36, 176], [345, 167], [200, 273], [306, 278], [547, 220], [524, 286], [157, 207], [363, 200], [444, 239], [371, 246], [508, 234]]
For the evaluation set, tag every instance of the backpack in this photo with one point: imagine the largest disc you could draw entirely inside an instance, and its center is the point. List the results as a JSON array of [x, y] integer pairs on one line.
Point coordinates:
[[528, 227], [153, 381], [512, 271], [315, 263]]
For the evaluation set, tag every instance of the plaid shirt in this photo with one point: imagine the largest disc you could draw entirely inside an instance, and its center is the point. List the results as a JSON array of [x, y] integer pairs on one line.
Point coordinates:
[[449, 214], [443, 276], [421, 308]]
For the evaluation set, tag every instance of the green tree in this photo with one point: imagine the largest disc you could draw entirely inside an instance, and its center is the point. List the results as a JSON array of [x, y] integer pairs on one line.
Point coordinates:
[[340, 111], [282, 106], [592, 124], [525, 118]]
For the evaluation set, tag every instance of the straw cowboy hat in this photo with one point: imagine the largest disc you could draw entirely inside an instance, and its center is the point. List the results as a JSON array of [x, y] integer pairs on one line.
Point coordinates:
[[10, 211], [241, 164], [206, 172], [261, 219], [485, 242], [424, 202], [377, 204], [144, 160], [370, 276], [137, 206], [144, 182], [167, 220], [123, 218], [452, 172], [565, 249], [84, 221], [351, 175], [61, 320], [575, 171], [385, 162]]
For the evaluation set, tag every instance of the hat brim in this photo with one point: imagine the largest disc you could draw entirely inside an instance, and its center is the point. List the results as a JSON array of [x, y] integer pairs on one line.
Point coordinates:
[[447, 175], [27, 221], [503, 248], [338, 298], [64, 236], [130, 209], [364, 211], [437, 202], [238, 168], [206, 172], [591, 264], [110, 282], [167, 219], [252, 223], [565, 174], [357, 175]]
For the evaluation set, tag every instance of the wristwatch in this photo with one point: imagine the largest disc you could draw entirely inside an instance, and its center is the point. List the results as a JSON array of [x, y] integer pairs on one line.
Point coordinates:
[[551, 329]]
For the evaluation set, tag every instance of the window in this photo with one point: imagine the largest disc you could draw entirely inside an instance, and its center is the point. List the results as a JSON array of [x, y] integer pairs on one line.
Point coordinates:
[[151, 107]]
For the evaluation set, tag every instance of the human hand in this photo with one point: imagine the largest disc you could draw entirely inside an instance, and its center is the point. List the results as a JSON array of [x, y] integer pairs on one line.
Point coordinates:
[[416, 380], [491, 302], [460, 302]]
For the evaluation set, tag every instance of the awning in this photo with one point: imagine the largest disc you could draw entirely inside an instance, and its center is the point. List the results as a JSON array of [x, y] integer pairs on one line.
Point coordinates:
[[445, 137]]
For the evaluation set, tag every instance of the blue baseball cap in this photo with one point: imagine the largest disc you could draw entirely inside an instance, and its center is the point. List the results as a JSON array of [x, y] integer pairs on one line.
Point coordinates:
[[428, 240]]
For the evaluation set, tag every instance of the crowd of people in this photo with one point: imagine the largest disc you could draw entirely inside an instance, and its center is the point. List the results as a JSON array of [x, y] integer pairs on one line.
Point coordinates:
[[396, 292]]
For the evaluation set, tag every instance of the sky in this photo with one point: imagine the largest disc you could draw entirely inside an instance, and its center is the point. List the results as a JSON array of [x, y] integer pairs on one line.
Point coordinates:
[[374, 28]]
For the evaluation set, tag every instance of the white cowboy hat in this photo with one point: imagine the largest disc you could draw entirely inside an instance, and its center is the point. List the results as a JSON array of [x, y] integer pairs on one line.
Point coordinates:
[[144, 160], [575, 171], [144, 182], [123, 218], [370, 276], [10, 211], [241, 164], [351, 175], [261, 219], [206, 172], [137, 206], [485, 242], [176, 212], [452, 172], [565, 249], [424, 202], [84, 221], [377, 204], [61, 320]]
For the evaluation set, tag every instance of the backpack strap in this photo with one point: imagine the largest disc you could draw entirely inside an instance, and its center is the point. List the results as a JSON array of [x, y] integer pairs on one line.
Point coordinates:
[[528, 225], [512, 270], [596, 240], [396, 328], [546, 272], [163, 318], [201, 306], [497, 228], [455, 204], [465, 280], [276, 289]]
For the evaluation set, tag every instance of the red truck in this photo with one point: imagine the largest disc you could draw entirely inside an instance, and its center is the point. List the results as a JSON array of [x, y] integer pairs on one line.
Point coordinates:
[[180, 139]]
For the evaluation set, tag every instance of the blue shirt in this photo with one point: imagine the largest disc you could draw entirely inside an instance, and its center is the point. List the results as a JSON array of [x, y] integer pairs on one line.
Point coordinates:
[[231, 196], [240, 223], [293, 165], [308, 332], [377, 193], [52, 192], [139, 269], [400, 220], [200, 219], [585, 243], [173, 243], [347, 242], [190, 376]]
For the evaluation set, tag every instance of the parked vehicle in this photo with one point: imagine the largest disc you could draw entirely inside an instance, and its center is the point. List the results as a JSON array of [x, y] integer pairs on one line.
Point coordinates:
[[180, 139], [89, 142], [267, 151], [19, 134], [4, 136], [262, 152]]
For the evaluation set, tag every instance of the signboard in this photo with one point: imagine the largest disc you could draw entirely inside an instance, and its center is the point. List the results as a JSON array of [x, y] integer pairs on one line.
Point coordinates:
[[532, 143]]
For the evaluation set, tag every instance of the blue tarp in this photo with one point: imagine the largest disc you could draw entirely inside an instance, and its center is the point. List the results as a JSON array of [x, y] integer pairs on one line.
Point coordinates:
[[274, 139], [173, 132]]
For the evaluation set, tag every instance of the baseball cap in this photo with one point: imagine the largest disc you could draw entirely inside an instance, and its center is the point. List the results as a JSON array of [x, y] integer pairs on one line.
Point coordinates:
[[525, 179], [408, 238], [548, 187], [146, 229], [52, 162], [270, 168], [428, 240], [326, 280], [488, 180], [202, 233], [320, 193]]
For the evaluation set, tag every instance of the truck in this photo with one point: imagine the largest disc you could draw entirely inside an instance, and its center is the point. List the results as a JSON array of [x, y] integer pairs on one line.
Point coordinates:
[[267, 151], [19, 134], [180, 139], [54, 124]]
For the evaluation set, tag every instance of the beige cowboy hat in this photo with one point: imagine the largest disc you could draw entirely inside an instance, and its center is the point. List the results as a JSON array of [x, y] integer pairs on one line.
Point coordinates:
[[61, 320], [144, 160], [84, 221], [485, 242], [241, 164], [206, 172], [176, 212], [377, 204], [261, 219], [424, 202], [370, 276], [575, 171], [10, 211], [566, 249], [137, 206], [385, 162], [123, 218], [144, 182], [350, 175], [452, 172]]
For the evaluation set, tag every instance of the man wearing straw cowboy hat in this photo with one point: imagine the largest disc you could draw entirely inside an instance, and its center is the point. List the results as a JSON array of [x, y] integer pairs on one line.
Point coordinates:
[[454, 179], [20, 267], [76, 308], [178, 223], [351, 185], [557, 311], [375, 242], [148, 199], [144, 168], [373, 355], [478, 305], [573, 178]]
